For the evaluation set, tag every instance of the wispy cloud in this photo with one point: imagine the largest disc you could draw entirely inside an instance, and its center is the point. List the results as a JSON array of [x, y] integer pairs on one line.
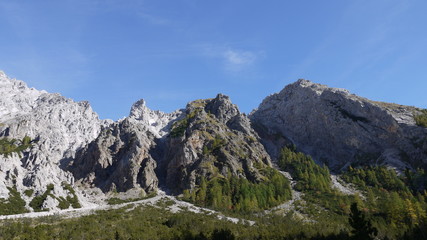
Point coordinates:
[[232, 60], [237, 60]]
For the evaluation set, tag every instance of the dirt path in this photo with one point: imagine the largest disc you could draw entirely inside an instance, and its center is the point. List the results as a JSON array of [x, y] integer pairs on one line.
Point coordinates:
[[289, 205], [161, 196]]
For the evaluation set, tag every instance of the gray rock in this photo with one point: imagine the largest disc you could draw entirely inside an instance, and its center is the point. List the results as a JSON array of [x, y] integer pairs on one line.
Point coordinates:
[[213, 140], [339, 128], [118, 159], [60, 126]]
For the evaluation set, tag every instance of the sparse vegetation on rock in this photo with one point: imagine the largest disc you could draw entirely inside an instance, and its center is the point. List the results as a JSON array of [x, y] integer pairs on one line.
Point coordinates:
[[421, 119], [9, 146]]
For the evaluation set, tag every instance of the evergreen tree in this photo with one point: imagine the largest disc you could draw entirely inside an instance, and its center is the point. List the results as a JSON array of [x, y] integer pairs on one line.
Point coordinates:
[[362, 228]]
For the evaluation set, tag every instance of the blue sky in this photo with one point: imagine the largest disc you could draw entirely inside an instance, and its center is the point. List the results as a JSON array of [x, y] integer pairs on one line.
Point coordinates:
[[113, 53]]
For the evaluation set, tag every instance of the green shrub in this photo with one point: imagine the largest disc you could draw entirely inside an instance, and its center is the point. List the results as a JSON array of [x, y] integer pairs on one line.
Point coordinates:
[[421, 119], [29, 192], [63, 203], [378, 177], [38, 201], [72, 200], [179, 127], [9, 146], [14, 204]]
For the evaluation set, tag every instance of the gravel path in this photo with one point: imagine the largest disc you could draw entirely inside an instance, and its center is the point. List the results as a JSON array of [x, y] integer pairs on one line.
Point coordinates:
[[289, 205], [344, 188], [161, 196]]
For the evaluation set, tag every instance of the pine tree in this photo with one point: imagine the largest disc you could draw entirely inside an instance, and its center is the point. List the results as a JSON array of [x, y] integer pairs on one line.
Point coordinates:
[[362, 228]]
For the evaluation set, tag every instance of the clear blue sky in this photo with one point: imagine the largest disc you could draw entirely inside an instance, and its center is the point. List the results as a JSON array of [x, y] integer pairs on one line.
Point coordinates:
[[113, 52]]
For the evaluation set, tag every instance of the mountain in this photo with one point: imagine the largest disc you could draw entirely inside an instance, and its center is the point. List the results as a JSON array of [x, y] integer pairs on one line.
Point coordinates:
[[340, 129], [212, 139], [122, 157], [59, 127], [207, 151]]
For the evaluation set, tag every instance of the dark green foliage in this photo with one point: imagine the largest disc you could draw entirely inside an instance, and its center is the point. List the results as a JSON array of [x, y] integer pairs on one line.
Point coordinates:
[[63, 203], [315, 182], [14, 204], [241, 195], [29, 192], [376, 177], [394, 203], [421, 119], [222, 234], [157, 223], [416, 181], [310, 176], [362, 228], [70, 199], [417, 232], [395, 207], [9, 146], [179, 127], [38, 201]]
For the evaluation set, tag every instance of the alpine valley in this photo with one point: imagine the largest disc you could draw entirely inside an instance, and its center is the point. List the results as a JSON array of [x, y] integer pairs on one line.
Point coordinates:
[[311, 162]]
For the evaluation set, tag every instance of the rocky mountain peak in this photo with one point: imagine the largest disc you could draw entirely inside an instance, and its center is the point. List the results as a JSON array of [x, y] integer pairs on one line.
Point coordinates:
[[212, 140], [60, 125], [222, 107], [17, 98], [337, 127], [138, 109], [158, 122], [303, 86]]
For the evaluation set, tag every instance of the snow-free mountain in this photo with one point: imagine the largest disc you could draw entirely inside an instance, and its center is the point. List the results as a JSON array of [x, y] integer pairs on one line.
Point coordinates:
[[79, 155]]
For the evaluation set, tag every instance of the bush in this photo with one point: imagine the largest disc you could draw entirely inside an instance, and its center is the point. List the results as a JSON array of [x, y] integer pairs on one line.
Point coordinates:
[[421, 119], [9, 146], [29, 192], [14, 204], [38, 201]]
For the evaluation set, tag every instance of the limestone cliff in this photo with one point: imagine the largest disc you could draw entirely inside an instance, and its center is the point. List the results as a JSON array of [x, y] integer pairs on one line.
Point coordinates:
[[59, 127], [213, 139], [121, 158], [340, 128]]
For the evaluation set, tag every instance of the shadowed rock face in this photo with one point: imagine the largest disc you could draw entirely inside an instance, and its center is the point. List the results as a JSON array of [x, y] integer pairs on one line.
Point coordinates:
[[118, 159], [340, 128], [210, 138], [213, 139], [123, 156]]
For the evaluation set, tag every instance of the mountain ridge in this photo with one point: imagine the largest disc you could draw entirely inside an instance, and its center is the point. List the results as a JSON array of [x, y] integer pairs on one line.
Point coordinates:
[[209, 138]]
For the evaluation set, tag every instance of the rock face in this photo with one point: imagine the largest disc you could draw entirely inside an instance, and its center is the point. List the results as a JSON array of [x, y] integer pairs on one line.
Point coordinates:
[[213, 139], [121, 158], [339, 128], [75, 151], [60, 126]]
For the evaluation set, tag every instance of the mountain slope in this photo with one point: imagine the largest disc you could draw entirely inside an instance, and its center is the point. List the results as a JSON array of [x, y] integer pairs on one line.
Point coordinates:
[[339, 128], [200, 151], [59, 127]]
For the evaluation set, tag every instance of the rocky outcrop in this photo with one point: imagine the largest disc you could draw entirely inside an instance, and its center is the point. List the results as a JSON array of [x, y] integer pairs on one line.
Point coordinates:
[[122, 157], [59, 125], [118, 159], [213, 139], [209, 139], [339, 128]]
